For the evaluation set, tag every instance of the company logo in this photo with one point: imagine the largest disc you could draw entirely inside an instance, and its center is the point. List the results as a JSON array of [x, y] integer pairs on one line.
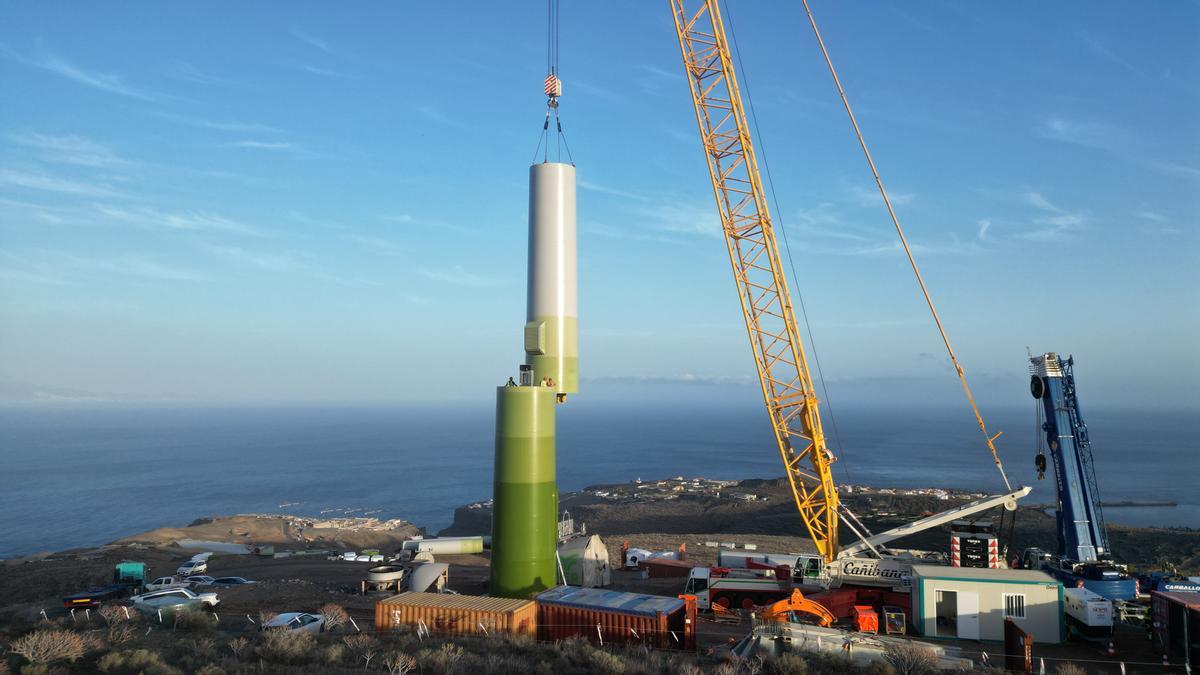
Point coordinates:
[[870, 569]]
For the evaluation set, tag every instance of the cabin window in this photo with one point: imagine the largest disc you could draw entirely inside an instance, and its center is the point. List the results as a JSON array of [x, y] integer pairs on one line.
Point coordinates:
[[1014, 605], [696, 585]]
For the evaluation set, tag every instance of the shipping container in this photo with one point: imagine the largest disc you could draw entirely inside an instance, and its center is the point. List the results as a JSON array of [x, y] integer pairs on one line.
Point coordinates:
[[1177, 625], [658, 568], [612, 617], [457, 614]]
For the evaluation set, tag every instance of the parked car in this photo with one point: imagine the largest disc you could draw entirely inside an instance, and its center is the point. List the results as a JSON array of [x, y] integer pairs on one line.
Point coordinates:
[[169, 604], [192, 567], [199, 580], [231, 581], [309, 623], [208, 600], [163, 583], [350, 556], [94, 597]]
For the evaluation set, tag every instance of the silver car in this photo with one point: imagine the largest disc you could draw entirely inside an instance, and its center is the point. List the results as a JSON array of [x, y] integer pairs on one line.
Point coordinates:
[[206, 600], [301, 621]]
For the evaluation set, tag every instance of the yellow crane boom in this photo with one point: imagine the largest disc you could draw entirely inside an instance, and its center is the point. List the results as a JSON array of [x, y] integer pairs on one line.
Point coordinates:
[[787, 386]]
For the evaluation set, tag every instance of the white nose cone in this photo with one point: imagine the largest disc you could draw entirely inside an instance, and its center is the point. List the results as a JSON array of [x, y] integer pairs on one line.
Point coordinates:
[[552, 315]]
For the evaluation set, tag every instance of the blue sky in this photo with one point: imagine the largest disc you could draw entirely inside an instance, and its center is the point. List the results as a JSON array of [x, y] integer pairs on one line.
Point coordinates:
[[266, 202]]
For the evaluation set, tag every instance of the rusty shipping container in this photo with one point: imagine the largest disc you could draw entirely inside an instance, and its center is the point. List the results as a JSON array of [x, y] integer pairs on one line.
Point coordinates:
[[456, 614], [612, 617]]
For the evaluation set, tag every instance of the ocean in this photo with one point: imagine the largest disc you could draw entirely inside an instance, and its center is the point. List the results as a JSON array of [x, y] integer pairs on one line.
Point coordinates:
[[82, 476]]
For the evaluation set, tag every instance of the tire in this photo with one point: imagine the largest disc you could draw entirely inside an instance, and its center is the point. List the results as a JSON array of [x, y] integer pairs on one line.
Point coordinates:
[[722, 600]]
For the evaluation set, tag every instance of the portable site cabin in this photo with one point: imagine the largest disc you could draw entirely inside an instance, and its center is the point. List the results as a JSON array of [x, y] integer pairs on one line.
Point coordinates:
[[972, 603], [585, 562]]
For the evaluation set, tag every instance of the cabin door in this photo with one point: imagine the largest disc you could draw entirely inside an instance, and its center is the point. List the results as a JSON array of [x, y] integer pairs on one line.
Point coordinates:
[[968, 615]]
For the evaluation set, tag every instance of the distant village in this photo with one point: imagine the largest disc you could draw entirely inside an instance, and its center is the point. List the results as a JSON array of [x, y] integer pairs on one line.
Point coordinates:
[[665, 489]]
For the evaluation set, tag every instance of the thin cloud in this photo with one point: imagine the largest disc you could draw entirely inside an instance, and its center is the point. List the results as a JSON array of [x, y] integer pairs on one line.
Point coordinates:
[[1055, 224], [867, 198], [1088, 134], [63, 67], [48, 183], [375, 244], [1100, 48], [75, 150], [191, 221], [148, 268], [1151, 216], [596, 187], [684, 218], [63, 268], [318, 70], [457, 276], [186, 71], [234, 126], [984, 226], [312, 41], [274, 262], [1175, 169], [262, 145], [1036, 200]]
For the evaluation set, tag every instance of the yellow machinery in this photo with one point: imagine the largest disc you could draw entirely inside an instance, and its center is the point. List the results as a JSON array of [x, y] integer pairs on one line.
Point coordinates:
[[787, 386]]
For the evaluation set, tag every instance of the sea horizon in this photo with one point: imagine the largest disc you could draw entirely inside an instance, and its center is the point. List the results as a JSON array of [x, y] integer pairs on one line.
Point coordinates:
[[84, 475]]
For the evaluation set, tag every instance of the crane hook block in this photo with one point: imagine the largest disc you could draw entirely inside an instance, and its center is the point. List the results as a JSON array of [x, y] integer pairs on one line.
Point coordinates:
[[552, 86]]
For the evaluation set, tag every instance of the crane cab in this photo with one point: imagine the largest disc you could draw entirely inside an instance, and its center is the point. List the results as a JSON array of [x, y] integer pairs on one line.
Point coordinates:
[[809, 569]]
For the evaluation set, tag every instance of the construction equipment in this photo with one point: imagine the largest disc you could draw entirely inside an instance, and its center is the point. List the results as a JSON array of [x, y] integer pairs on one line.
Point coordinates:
[[783, 371], [787, 385], [1083, 556], [797, 603]]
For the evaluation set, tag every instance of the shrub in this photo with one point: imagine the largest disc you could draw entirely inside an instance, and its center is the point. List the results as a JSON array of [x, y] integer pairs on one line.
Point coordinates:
[[726, 668], [362, 647], [265, 617], [786, 664], [333, 654], [1069, 669], [287, 646], [113, 614], [120, 633], [399, 663], [600, 661], [238, 646], [448, 658], [910, 659], [335, 616], [139, 661], [203, 648], [210, 669], [48, 646]]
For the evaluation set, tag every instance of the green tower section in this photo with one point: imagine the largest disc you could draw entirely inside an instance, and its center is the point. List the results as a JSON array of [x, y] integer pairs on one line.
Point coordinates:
[[552, 348], [525, 493]]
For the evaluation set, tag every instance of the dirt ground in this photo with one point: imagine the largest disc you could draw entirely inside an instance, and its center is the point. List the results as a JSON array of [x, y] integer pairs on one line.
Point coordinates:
[[305, 583]]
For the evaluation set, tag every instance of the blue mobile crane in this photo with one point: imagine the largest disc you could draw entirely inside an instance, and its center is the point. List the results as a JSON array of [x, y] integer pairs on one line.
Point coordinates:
[[1083, 557]]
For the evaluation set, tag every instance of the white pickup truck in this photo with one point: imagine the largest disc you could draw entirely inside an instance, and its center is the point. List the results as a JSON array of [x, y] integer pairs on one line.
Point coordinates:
[[165, 583]]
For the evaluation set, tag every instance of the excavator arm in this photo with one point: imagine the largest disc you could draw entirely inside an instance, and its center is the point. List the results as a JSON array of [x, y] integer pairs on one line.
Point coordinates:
[[758, 272], [781, 610]]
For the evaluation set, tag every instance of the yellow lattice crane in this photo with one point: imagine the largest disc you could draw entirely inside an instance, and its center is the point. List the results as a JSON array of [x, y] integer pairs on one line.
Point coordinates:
[[787, 385]]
